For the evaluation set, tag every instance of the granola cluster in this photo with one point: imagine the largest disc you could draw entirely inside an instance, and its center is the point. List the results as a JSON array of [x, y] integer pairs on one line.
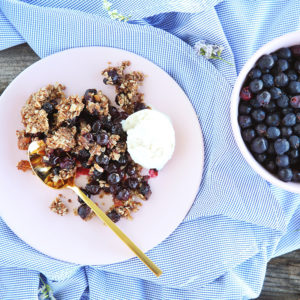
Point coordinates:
[[58, 207], [84, 135]]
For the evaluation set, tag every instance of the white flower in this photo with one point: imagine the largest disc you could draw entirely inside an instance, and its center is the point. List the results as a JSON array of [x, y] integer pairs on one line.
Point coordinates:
[[208, 50], [114, 14], [106, 5]]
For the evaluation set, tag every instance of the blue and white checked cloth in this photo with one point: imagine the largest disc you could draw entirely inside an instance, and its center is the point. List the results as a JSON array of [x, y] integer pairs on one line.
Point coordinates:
[[238, 221]]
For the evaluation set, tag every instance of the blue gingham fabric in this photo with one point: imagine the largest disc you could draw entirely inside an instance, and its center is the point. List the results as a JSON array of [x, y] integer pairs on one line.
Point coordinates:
[[238, 221]]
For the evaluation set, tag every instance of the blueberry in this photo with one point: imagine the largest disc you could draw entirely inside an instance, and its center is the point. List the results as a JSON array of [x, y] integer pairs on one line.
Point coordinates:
[[131, 170], [113, 75], [113, 178], [52, 160], [123, 159], [270, 107], [298, 117], [102, 138], [275, 57], [271, 166], [255, 103], [67, 163], [273, 132], [284, 53], [282, 161], [248, 135], [145, 189], [261, 129], [83, 211], [89, 137], [132, 183], [114, 216], [259, 145], [292, 75], [48, 108], [102, 159], [92, 188], [294, 153], [294, 87], [297, 66], [115, 188], [117, 129], [256, 85], [97, 174], [111, 168], [281, 80], [285, 174], [96, 126], [273, 119], [283, 101], [106, 124], [294, 141], [123, 116], [140, 105], [268, 80], [281, 146], [296, 129], [258, 115], [295, 101], [289, 119], [266, 62], [254, 73], [282, 65], [245, 121], [86, 193], [263, 98], [261, 157], [89, 95], [83, 155], [286, 131], [296, 176], [245, 108], [296, 50], [275, 93], [114, 112], [124, 195]]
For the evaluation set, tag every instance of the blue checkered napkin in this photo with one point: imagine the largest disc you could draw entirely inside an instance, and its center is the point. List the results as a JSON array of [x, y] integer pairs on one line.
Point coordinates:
[[238, 221]]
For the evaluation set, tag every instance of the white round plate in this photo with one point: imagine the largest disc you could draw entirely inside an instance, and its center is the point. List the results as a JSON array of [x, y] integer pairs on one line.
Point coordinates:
[[25, 200]]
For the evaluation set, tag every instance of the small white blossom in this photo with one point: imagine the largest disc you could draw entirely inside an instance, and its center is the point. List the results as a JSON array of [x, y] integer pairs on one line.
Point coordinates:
[[209, 51], [114, 14], [106, 5]]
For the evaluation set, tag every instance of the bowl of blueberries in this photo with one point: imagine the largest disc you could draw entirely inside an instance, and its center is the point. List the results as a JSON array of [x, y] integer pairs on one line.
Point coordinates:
[[265, 111]]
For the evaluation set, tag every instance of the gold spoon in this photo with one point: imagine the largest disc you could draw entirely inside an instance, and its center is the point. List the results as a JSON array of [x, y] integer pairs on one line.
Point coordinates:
[[36, 151]]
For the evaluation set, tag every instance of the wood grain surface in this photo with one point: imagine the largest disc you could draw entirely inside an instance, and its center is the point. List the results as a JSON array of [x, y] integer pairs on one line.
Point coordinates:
[[283, 274]]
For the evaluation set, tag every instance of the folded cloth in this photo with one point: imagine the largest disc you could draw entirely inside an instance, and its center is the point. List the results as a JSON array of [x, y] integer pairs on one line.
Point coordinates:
[[238, 221]]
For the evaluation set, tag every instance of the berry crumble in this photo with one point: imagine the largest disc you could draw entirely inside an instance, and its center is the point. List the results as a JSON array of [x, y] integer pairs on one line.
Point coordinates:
[[84, 136]]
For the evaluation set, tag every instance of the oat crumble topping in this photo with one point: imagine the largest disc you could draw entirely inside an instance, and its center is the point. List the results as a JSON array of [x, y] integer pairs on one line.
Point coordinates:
[[24, 165], [59, 207]]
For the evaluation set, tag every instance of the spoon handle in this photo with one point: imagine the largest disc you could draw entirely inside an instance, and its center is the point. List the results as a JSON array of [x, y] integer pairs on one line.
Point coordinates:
[[136, 250]]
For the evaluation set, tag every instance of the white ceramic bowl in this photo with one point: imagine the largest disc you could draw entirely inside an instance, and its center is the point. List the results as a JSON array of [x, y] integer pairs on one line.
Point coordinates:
[[287, 40]]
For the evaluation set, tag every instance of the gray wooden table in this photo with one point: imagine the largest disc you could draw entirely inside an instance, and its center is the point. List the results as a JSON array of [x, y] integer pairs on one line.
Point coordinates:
[[283, 273]]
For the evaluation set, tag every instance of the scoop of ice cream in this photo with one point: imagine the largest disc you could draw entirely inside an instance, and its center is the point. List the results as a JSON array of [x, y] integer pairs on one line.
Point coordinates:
[[150, 138]]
